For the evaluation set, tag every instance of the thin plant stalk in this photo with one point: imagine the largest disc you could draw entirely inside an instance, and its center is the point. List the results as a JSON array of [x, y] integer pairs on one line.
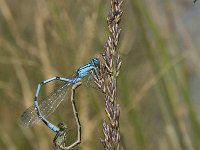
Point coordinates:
[[107, 80]]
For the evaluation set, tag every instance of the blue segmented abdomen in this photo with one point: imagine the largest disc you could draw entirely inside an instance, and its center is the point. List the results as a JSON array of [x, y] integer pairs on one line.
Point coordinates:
[[29, 117]]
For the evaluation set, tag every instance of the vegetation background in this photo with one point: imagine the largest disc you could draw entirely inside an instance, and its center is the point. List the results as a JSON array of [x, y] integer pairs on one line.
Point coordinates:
[[158, 86]]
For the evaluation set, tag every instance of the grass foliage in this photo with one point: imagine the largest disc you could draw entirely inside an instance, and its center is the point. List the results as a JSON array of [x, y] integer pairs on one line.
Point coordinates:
[[43, 38]]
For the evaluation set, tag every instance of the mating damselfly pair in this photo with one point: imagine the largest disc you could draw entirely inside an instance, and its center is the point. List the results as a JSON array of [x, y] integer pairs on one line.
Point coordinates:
[[41, 111]]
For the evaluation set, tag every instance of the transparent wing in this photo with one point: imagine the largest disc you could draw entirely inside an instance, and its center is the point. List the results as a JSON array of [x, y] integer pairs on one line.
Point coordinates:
[[29, 117]]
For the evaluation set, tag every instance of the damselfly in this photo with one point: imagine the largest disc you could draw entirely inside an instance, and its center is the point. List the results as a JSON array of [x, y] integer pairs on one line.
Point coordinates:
[[38, 112], [60, 140]]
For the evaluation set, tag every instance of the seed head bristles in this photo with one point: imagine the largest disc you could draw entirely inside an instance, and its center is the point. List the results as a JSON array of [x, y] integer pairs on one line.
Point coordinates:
[[107, 80]]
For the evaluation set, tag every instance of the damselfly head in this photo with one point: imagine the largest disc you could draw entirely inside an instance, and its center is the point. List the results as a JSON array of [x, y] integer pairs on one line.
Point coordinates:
[[62, 126], [95, 62]]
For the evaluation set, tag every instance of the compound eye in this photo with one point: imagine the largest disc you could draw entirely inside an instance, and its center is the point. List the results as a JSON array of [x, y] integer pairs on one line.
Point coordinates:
[[95, 62]]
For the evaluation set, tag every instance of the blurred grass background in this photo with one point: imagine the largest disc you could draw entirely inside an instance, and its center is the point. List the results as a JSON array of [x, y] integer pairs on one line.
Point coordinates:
[[158, 85]]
